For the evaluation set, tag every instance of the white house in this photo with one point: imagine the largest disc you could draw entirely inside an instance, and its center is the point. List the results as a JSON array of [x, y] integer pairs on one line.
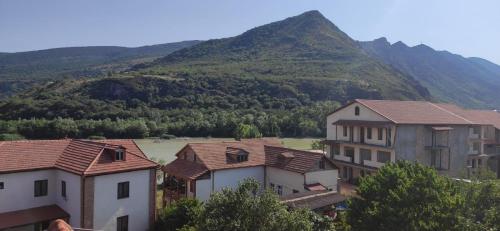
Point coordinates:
[[203, 168], [100, 185]]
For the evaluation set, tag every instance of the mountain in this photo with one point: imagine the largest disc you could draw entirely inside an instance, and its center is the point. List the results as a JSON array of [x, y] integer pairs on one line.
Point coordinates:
[[24, 69], [307, 46], [470, 82]]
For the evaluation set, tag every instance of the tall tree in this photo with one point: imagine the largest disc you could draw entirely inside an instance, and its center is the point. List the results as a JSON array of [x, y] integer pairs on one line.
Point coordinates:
[[406, 196]]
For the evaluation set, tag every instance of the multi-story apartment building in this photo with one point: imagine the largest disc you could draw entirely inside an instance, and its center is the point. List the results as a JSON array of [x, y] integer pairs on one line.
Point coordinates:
[[365, 134], [98, 185], [203, 168]]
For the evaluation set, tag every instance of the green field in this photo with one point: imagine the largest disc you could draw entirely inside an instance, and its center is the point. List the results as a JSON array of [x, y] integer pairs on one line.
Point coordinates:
[[166, 149]]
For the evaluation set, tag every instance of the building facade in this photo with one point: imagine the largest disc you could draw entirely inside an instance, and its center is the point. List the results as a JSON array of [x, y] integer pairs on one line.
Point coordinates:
[[105, 185], [204, 168], [364, 135]]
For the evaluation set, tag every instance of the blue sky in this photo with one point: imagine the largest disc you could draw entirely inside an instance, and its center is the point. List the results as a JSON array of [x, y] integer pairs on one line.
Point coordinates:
[[468, 28]]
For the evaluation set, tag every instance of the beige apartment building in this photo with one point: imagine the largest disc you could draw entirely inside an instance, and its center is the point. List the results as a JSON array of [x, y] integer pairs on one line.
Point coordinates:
[[364, 135]]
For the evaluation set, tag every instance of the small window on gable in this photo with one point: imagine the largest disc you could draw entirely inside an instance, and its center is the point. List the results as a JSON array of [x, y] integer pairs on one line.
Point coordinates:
[[1, 185], [63, 188], [242, 157], [119, 154], [356, 111]]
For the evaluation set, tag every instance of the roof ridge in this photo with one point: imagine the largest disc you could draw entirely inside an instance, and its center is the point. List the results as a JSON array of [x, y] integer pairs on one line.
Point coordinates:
[[452, 113], [141, 157], [94, 160], [296, 150]]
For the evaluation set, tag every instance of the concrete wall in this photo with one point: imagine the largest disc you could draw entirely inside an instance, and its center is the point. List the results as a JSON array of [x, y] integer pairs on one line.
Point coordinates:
[[411, 141], [19, 190], [107, 207], [203, 189], [288, 180], [232, 177], [327, 178], [72, 202]]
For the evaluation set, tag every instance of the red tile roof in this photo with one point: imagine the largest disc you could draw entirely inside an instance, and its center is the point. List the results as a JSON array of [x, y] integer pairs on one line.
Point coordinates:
[[82, 157], [297, 161], [185, 169], [30, 216], [213, 155], [261, 152], [423, 112], [413, 112]]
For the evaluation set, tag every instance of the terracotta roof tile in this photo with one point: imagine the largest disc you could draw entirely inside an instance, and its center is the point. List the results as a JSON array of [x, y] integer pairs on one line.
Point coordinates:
[[185, 169], [82, 157], [213, 155], [301, 162], [413, 112], [30, 216]]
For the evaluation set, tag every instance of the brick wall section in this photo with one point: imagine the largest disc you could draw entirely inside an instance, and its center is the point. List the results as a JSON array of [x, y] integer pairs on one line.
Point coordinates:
[[88, 203], [152, 197]]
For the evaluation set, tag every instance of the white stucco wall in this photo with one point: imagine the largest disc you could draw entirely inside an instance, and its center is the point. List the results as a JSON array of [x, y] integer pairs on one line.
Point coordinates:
[[203, 189], [72, 203], [19, 190], [327, 178], [107, 207], [231, 177], [287, 179], [347, 113]]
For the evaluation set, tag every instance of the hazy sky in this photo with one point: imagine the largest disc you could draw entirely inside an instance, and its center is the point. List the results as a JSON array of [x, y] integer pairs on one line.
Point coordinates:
[[469, 28]]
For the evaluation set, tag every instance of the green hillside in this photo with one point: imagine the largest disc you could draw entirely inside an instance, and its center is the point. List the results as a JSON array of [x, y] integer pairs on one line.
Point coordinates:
[[470, 82], [22, 70], [306, 46]]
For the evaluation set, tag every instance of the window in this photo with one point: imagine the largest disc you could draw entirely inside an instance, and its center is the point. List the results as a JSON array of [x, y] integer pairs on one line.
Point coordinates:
[[356, 111], [344, 129], [63, 188], [123, 190], [366, 154], [122, 223], [119, 155], [383, 157], [280, 190], [192, 186], [479, 162], [271, 185], [295, 191], [476, 146], [380, 133], [241, 158], [322, 164], [369, 133], [41, 188], [473, 163], [1, 185]]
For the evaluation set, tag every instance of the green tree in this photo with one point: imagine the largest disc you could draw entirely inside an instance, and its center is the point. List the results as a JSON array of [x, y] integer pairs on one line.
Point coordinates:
[[244, 131], [247, 208], [482, 207], [179, 214], [406, 196]]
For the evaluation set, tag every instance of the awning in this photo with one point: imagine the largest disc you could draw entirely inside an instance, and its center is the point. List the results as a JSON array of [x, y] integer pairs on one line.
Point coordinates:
[[442, 128], [363, 123], [185, 169], [315, 201], [30, 216]]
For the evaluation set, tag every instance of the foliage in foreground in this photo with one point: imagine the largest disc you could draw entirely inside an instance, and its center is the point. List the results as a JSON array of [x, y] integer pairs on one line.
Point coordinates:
[[407, 196], [245, 208]]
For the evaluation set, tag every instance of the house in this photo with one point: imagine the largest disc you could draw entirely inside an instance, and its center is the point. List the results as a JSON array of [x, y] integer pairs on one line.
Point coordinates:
[[100, 185], [203, 168], [364, 135]]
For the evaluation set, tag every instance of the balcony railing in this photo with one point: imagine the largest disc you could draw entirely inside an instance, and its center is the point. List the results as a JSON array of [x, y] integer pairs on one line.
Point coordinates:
[[342, 158], [374, 164], [473, 136]]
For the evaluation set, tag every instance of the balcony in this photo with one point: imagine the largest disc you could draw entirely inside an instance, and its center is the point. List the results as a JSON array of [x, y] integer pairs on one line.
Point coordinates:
[[342, 158], [374, 164], [473, 136]]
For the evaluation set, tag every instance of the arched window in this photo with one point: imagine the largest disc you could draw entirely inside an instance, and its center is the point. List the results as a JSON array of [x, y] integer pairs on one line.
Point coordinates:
[[356, 111]]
